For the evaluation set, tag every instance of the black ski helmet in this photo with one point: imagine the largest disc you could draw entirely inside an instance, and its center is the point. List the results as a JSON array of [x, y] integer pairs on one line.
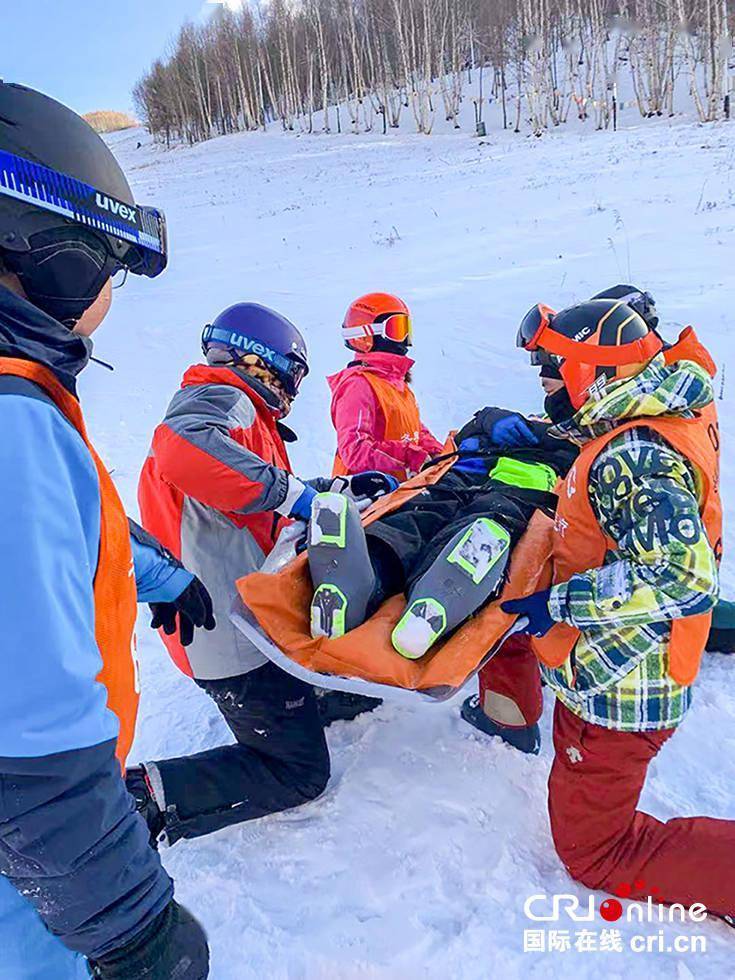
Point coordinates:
[[589, 343], [68, 219]]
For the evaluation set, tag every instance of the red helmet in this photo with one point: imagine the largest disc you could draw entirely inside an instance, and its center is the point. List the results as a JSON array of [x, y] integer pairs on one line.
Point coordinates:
[[588, 343], [376, 315]]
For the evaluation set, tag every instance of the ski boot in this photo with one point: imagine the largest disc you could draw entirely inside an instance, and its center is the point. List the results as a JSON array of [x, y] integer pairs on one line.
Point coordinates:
[[459, 581], [343, 577], [525, 738], [721, 637], [138, 784], [343, 705]]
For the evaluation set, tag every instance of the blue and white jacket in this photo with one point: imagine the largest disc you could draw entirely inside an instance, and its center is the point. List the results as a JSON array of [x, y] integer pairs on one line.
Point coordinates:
[[70, 840]]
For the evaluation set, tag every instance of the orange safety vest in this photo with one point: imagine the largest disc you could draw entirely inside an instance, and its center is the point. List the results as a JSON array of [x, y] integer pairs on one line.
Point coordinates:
[[689, 348], [401, 414], [115, 597], [580, 544]]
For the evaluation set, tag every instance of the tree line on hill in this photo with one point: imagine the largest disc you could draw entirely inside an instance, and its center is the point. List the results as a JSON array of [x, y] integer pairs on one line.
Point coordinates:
[[350, 66]]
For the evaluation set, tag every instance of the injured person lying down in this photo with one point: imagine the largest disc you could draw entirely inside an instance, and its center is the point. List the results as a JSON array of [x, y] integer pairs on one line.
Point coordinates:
[[446, 549]]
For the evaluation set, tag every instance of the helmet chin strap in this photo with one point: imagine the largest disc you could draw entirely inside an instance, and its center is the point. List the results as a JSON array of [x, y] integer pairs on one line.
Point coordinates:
[[104, 364]]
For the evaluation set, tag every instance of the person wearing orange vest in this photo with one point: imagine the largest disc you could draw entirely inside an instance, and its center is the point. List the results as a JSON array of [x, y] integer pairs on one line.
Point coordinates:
[[621, 631], [80, 887], [509, 703], [374, 410]]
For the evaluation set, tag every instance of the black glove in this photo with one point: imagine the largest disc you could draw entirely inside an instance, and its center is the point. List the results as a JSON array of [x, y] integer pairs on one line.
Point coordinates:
[[368, 485], [194, 608], [174, 945]]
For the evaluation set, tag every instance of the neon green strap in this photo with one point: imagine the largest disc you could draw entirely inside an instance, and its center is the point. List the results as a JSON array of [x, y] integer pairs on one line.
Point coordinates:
[[529, 476]]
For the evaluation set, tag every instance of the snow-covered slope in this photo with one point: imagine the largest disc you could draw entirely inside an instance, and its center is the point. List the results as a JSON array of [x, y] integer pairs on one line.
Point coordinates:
[[418, 860]]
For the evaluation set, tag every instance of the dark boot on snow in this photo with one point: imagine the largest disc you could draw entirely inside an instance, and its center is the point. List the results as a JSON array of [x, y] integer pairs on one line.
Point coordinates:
[[525, 738], [721, 637], [343, 705], [139, 786], [172, 947], [461, 579]]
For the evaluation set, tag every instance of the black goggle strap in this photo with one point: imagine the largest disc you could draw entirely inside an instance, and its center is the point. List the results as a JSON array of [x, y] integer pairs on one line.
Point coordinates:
[[142, 227]]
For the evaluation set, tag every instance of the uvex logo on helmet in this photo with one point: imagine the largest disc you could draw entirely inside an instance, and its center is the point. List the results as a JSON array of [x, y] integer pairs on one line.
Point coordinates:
[[117, 208], [253, 346]]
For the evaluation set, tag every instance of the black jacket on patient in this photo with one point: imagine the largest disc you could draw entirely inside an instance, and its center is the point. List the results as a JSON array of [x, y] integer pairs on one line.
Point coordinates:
[[403, 544]]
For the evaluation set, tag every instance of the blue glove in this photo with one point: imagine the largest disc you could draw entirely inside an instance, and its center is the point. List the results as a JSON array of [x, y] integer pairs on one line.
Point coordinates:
[[498, 427], [468, 463], [512, 432], [536, 608], [301, 509]]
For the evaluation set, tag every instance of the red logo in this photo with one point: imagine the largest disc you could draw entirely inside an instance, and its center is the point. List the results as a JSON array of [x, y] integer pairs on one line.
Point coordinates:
[[611, 909]]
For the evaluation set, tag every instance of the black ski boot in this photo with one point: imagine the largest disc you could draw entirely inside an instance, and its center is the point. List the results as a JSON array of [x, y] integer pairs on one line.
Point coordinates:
[[526, 739], [721, 637], [139, 786], [343, 705]]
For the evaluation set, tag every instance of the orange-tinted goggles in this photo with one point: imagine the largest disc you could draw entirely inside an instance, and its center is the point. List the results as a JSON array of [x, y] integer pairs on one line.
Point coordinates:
[[395, 327]]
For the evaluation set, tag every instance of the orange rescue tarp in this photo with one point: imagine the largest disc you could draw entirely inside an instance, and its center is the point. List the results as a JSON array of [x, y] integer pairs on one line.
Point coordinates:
[[280, 604]]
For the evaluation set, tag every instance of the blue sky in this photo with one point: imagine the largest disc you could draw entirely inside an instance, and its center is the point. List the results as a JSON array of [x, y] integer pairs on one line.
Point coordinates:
[[88, 53]]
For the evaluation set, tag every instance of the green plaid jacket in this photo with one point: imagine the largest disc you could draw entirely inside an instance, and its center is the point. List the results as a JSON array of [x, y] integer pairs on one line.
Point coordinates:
[[646, 498]]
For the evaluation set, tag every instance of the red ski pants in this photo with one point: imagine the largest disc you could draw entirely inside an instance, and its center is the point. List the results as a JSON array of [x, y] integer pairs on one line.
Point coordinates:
[[596, 781], [510, 684], [605, 842]]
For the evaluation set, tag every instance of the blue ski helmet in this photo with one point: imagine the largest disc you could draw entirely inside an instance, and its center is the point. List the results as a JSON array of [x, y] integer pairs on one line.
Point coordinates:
[[249, 328]]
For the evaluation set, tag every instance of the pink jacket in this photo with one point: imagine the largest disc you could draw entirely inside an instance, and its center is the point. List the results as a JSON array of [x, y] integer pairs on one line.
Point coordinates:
[[360, 424]]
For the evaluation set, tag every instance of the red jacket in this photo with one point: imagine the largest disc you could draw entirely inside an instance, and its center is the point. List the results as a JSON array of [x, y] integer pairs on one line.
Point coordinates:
[[216, 473]]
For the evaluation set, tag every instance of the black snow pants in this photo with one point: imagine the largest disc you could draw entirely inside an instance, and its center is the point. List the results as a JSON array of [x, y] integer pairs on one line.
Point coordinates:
[[403, 545], [280, 758]]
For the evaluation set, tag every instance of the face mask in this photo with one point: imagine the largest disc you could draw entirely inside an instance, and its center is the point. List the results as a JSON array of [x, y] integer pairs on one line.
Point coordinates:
[[64, 272], [559, 406], [384, 346]]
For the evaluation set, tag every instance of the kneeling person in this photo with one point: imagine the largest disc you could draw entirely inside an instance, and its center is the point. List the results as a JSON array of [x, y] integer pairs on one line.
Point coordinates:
[[216, 487]]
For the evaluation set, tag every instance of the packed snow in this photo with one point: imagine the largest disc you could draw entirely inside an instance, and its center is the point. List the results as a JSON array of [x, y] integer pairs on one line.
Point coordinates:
[[419, 627], [417, 861]]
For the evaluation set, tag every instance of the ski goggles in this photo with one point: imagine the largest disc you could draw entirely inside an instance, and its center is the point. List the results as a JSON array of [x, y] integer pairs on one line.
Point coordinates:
[[224, 348], [533, 326], [135, 234], [546, 346], [394, 326]]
